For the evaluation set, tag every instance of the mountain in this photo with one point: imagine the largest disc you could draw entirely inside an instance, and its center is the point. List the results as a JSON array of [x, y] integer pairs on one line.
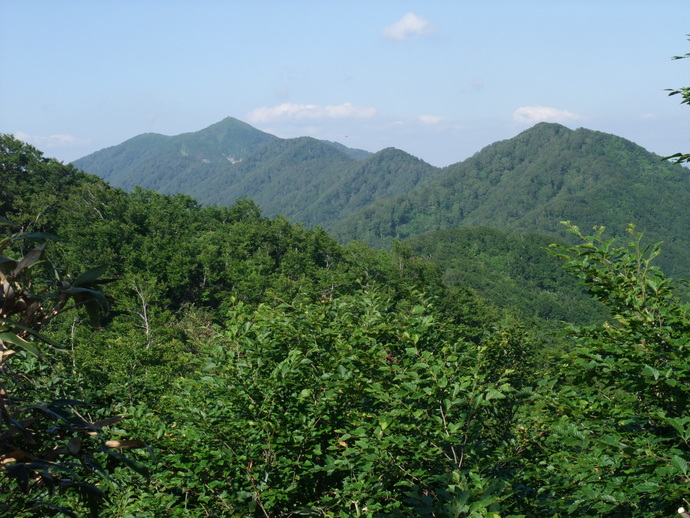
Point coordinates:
[[533, 181], [528, 183], [282, 177], [314, 181], [385, 174], [157, 161]]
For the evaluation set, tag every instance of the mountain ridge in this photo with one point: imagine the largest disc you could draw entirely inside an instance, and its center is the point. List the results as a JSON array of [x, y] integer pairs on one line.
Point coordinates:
[[528, 183], [532, 182], [302, 178]]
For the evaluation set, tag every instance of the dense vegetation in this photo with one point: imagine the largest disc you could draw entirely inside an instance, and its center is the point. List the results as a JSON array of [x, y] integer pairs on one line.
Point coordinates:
[[251, 366], [309, 180], [163, 358], [526, 184], [512, 270], [533, 181]]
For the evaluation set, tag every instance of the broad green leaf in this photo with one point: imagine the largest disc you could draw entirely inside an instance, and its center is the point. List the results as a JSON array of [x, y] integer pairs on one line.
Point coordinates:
[[492, 393], [39, 336], [680, 464], [9, 337], [647, 487], [90, 276], [650, 371]]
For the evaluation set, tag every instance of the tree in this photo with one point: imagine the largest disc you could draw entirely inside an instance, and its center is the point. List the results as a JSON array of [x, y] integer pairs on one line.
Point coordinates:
[[612, 437], [344, 406], [47, 445], [684, 92]]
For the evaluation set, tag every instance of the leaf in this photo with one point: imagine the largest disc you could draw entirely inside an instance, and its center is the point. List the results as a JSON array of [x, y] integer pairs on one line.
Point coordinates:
[[96, 466], [492, 393], [41, 337], [7, 337], [680, 464], [647, 487], [93, 300], [29, 259], [34, 235], [108, 421], [134, 465], [7, 264], [90, 276], [650, 371]]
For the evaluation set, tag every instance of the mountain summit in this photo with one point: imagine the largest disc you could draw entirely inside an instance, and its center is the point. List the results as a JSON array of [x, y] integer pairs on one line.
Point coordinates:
[[315, 181], [532, 182], [161, 162]]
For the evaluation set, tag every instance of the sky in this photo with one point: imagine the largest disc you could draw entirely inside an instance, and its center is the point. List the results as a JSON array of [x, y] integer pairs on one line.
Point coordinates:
[[439, 79]]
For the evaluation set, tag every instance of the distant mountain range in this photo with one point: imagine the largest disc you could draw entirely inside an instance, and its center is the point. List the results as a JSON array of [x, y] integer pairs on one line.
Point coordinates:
[[310, 180], [529, 183]]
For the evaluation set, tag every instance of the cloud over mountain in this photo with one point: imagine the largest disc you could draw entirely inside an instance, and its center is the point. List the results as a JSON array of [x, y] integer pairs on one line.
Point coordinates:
[[533, 114], [309, 111]]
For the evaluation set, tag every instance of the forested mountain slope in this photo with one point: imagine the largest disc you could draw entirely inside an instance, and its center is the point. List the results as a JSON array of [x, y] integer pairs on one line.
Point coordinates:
[[529, 183], [514, 270], [533, 181], [309, 180], [172, 164]]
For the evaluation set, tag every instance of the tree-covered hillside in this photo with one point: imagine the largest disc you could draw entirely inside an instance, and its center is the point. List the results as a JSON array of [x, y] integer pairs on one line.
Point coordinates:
[[533, 181], [313, 181], [529, 183], [165, 358], [513, 270], [168, 163], [182, 270]]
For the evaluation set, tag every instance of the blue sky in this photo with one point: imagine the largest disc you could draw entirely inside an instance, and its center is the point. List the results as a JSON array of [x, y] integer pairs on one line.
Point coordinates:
[[438, 79]]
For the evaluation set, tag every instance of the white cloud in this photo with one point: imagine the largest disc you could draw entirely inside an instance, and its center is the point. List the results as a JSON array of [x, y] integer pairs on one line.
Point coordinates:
[[309, 111], [50, 141], [409, 25], [430, 119], [533, 114]]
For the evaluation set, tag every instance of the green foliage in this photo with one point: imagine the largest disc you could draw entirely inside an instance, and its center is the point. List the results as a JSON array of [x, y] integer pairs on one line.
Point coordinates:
[[31, 184], [175, 164], [529, 183], [612, 438], [685, 99], [511, 270], [343, 407], [47, 446], [277, 372], [305, 179]]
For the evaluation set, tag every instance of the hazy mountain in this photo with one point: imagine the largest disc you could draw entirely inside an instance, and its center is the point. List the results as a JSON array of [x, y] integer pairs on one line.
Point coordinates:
[[314, 181], [158, 161]]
